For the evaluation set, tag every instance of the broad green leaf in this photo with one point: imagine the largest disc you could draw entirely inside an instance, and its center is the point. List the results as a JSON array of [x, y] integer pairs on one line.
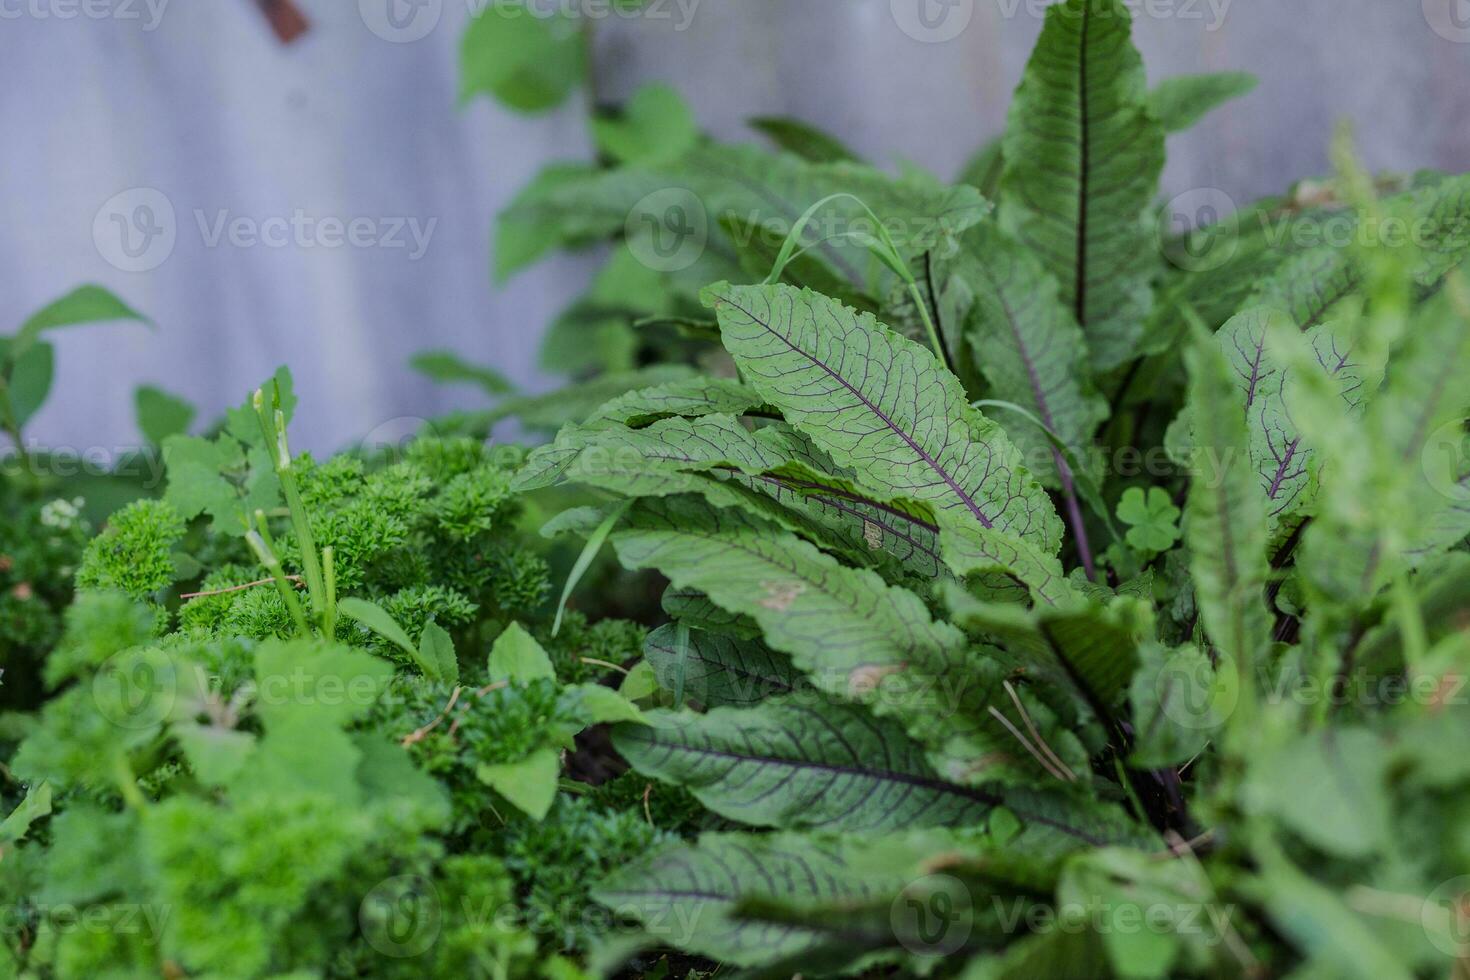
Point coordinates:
[[30, 381], [161, 415], [525, 59], [85, 304], [718, 669], [1180, 102], [799, 764], [523, 232], [857, 638], [1083, 154], [1028, 346], [529, 784], [1225, 515], [586, 337], [322, 685], [516, 656], [639, 683], [689, 892], [600, 705], [598, 331], [219, 478], [784, 478], [881, 406], [802, 139], [655, 126], [446, 367], [1003, 566]]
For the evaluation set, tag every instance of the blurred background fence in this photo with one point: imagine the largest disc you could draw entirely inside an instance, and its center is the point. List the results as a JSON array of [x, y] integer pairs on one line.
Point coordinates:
[[328, 204]]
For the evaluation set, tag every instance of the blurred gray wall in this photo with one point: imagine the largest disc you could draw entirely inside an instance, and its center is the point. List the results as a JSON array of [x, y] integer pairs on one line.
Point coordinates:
[[206, 109]]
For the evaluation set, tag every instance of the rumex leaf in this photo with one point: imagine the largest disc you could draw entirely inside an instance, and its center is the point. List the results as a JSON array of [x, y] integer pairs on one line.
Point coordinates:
[[881, 406], [798, 764], [1083, 154]]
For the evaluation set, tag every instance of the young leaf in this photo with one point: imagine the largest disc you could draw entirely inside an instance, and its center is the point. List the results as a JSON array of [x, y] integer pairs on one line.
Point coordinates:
[[377, 619], [881, 406], [529, 784], [584, 561], [794, 764], [436, 654], [1182, 101], [1083, 153], [516, 656]]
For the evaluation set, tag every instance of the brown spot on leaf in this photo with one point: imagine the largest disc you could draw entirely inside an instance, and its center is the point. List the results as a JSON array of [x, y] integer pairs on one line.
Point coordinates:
[[780, 595], [866, 680]]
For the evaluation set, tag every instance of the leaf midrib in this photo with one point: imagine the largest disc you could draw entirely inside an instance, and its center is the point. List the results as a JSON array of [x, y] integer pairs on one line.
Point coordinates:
[[929, 460]]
